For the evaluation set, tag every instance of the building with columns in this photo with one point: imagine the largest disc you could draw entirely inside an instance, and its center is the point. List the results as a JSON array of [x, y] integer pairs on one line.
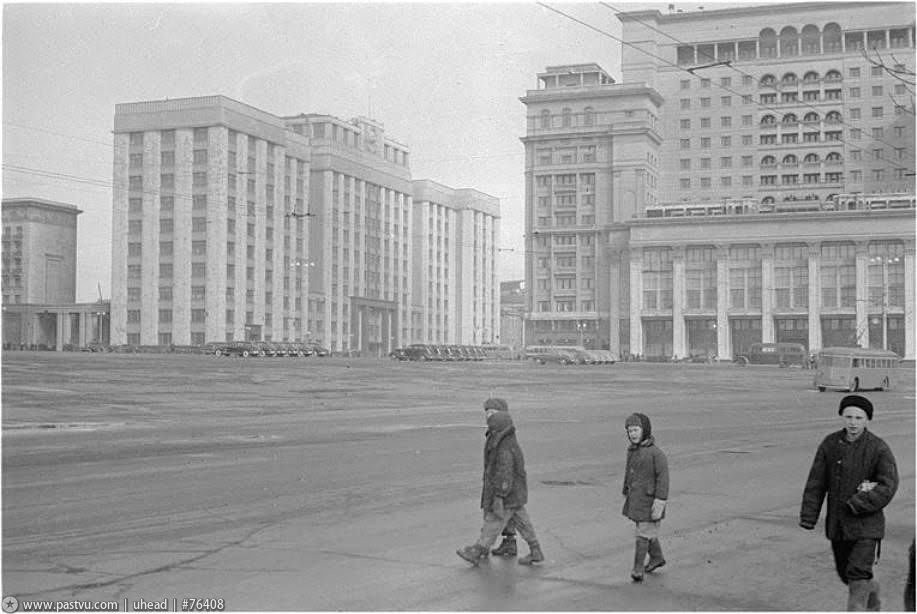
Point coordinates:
[[787, 264], [455, 256], [39, 278]]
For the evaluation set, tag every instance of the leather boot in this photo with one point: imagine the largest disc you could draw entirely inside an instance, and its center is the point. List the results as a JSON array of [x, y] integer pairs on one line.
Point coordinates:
[[640, 549], [872, 601], [473, 554], [858, 595], [656, 559], [507, 548], [535, 556]]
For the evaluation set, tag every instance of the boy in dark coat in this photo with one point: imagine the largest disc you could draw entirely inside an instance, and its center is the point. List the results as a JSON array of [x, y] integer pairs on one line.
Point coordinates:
[[857, 472], [505, 491], [646, 490], [508, 547]]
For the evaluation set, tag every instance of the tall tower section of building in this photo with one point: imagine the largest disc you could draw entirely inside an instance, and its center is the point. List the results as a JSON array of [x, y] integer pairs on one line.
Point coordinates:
[[360, 234], [779, 102], [39, 251], [455, 253], [592, 155], [208, 225]]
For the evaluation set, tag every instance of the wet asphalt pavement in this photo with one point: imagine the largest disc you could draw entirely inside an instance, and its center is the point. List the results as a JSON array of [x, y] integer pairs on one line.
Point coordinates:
[[335, 484]]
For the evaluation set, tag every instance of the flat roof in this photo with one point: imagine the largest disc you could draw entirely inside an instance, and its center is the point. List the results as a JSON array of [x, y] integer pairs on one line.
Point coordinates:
[[41, 202]]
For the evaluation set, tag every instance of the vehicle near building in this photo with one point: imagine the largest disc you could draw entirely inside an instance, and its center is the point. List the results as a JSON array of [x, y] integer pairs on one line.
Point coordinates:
[[543, 354], [318, 350], [236, 348], [783, 354], [852, 369]]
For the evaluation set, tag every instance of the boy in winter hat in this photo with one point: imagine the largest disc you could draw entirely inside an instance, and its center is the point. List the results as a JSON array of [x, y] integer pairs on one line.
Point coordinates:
[[508, 547], [646, 490], [857, 473], [505, 491]]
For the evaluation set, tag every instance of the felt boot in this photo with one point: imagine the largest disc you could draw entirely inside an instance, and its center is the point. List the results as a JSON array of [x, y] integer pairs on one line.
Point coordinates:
[[472, 554], [858, 595], [641, 547], [507, 548], [656, 559], [535, 556]]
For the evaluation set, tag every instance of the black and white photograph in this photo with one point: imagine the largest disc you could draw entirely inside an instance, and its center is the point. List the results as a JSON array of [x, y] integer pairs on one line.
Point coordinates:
[[450, 306]]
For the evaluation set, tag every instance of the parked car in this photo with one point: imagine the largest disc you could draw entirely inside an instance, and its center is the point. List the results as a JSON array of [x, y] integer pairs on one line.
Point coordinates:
[[318, 350], [400, 354], [543, 354], [237, 348]]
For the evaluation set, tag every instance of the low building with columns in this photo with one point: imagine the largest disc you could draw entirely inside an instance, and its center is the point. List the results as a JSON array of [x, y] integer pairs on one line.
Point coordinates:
[[39, 279]]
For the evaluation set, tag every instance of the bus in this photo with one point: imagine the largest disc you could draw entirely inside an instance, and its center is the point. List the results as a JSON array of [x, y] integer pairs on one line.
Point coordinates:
[[855, 369], [783, 354]]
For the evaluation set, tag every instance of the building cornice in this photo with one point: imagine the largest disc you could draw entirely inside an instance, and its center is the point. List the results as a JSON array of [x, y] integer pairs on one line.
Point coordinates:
[[748, 11], [595, 91]]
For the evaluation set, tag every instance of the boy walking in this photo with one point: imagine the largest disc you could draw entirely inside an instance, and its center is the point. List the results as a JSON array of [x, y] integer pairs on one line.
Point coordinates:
[[858, 473], [505, 490], [646, 489]]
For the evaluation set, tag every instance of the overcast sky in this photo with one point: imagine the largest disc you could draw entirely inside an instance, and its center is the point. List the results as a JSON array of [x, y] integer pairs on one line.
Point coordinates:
[[444, 79]]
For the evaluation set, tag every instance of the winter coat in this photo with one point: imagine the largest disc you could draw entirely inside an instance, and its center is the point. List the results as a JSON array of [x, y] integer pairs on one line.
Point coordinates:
[[504, 465], [646, 477], [837, 471]]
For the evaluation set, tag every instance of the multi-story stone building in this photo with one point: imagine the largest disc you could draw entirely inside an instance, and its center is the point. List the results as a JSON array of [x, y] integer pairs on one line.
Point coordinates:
[[360, 295], [455, 257], [758, 132], [206, 224], [231, 223], [39, 278]]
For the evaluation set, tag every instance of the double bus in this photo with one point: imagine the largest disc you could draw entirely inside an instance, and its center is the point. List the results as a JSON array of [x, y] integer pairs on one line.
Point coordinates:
[[783, 354], [855, 369]]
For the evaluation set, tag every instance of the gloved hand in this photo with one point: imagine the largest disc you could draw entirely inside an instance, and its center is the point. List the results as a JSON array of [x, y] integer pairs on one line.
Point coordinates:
[[497, 507], [658, 509], [808, 526]]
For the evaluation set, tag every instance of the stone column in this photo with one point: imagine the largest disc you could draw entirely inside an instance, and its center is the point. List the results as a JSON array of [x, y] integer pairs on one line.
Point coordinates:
[[767, 293], [909, 273], [59, 331], [614, 301], [723, 341], [815, 342], [636, 300], [862, 294], [678, 300]]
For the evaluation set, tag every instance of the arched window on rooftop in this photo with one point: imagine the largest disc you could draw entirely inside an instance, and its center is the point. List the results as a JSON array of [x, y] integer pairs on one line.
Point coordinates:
[[767, 43], [789, 79], [811, 40], [810, 77], [789, 42], [833, 117], [831, 39], [789, 118], [833, 75], [768, 120], [768, 80], [833, 157], [768, 161], [767, 200], [811, 158], [811, 117], [790, 160]]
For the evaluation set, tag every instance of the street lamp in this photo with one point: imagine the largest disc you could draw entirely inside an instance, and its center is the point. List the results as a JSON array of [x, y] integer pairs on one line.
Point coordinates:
[[581, 326]]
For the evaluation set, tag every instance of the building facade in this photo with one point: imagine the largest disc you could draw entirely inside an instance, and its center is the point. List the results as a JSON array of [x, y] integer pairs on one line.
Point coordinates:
[[205, 224], [230, 223], [39, 279], [455, 253], [360, 296], [784, 123]]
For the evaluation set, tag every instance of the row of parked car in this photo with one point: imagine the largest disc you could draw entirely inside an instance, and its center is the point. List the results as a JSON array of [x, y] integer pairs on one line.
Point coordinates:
[[246, 349], [440, 353], [568, 355]]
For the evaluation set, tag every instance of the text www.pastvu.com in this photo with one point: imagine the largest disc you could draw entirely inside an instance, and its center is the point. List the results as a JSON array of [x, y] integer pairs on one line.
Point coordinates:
[[66, 606]]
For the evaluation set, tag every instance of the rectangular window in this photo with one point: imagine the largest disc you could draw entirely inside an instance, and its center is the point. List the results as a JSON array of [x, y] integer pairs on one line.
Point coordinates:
[[877, 112], [704, 122], [877, 90], [726, 122], [854, 92], [726, 101]]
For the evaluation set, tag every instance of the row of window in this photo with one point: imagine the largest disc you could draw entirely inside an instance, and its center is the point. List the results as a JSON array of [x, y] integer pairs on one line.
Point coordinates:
[[565, 219], [791, 42]]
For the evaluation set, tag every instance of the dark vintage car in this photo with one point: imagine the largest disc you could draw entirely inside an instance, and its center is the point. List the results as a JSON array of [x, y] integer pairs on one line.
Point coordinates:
[[237, 348], [318, 350], [400, 354]]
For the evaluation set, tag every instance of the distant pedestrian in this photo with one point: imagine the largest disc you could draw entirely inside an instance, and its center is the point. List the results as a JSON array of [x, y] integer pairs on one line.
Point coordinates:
[[508, 546], [646, 491], [909, 584], [505, 491], [857, 472]]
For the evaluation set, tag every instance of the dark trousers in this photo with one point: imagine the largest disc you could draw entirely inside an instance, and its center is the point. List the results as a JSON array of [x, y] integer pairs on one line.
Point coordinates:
[[854, 559]]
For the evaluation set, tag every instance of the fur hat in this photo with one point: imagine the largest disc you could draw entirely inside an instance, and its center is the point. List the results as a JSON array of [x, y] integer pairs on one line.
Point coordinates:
[[641, 420], [497, 404], [855, 400]]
